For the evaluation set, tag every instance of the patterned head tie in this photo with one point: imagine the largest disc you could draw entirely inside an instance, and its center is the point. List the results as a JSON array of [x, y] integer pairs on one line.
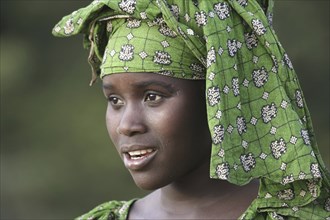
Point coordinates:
[[258, 119]]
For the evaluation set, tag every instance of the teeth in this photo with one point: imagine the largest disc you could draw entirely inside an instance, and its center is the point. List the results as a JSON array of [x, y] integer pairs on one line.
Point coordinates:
[[139, 153]]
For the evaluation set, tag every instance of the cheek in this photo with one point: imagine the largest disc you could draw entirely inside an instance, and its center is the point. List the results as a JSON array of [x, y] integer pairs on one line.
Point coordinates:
[[111, 124], [165, 122], [175, 126], [185, 126]]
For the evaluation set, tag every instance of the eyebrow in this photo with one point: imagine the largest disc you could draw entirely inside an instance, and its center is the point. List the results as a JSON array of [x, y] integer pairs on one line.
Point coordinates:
[[169, 87], [107, 86]]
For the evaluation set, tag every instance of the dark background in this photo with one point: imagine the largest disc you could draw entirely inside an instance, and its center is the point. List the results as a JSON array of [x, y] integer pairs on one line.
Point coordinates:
[[56, 158]]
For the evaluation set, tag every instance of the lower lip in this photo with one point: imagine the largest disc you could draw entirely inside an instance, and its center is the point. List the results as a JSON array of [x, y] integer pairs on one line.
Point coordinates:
[[140, 163]]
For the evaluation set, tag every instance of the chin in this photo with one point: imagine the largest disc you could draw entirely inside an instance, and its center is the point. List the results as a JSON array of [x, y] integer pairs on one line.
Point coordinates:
[[147, 182]]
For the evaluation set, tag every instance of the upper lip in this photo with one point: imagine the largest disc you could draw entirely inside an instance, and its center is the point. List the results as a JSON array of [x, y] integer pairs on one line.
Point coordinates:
[[134, 147]]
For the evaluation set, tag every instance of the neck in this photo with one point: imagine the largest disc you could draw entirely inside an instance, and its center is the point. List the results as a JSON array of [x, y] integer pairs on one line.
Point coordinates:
[[194, 189], [196, 196]]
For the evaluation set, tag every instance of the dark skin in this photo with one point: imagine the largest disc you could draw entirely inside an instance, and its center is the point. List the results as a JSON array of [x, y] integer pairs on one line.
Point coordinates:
[[158, 124]]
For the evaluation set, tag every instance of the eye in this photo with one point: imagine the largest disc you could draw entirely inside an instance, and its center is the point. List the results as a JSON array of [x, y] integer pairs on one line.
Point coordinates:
[[115, 100], [152, 97]]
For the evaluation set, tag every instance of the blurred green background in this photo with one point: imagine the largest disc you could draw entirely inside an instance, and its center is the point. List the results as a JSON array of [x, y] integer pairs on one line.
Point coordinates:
[[56, 158]]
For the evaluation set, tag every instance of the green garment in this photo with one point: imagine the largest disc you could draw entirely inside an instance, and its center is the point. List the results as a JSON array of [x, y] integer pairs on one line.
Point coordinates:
[[113, 210], [257, 115]]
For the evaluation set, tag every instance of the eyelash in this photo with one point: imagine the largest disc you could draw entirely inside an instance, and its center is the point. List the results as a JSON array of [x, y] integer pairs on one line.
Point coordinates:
[[113, 99], [150, 97]]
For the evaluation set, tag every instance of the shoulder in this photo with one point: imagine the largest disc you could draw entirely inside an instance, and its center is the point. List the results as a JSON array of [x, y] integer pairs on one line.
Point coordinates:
[[108, 210]]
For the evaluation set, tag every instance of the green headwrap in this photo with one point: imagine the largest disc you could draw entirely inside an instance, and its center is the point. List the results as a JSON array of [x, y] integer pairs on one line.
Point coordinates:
[[142, 46], [258, 119]]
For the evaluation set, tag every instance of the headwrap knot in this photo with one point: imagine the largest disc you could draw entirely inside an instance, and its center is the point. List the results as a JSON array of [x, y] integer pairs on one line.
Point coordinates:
[[258, 119]]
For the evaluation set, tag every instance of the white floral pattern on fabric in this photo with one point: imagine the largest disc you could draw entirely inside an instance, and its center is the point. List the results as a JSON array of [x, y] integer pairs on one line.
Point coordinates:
[[241, 125], [327, 205], [276, 216], [268, 112], [128, 6], [287, 61], [286, 194], [175, 11], [259, 123], [312, 187], [258, 27], [166, 73], [248, 161], [211, 57], [315, 170], [233, 47], [243, 3], [305, 135], [201, 18], [219, 133], [222, 10], [198, 69], [162, 57], [235, 83], [213, 95], [218, 114], [166, 31], [127, 52], [69, 27], [133, 23], [251, 40], [299, 99], [222, 171], [221, 153], [278, 148], [287, 179], [260, 77]]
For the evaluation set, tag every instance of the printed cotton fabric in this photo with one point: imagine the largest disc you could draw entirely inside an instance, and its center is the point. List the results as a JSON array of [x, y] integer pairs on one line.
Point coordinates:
[[257, 115], [113, 210]]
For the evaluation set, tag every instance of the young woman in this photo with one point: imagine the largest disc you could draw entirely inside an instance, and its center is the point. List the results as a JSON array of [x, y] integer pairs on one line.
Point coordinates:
[[200, 89]]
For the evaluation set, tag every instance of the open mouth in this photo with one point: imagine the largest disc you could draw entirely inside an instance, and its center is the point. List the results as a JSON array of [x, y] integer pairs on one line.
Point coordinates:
[[137, 157], [139, 154]]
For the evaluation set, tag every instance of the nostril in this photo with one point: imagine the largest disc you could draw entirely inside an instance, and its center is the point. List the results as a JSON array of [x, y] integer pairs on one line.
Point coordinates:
[[132, 122], [132, 130]]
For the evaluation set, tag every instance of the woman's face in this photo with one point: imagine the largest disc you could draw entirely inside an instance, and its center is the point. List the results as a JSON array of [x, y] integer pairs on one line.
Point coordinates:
[[158, 125]]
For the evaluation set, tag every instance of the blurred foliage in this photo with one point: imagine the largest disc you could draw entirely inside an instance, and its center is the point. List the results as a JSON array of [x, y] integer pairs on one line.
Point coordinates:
[[56, 158]]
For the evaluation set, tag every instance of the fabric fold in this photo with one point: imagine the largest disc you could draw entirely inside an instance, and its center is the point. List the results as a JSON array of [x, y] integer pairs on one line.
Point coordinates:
[[258, 119]]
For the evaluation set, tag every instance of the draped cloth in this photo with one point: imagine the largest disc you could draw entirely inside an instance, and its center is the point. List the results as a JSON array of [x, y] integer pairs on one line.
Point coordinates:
[[257, 115]]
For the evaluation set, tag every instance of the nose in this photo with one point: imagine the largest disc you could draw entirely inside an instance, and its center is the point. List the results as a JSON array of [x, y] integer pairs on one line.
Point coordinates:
[[132, 121]]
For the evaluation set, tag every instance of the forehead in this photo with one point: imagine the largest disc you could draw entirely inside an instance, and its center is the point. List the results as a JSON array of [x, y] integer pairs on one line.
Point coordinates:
[[146, 79], [117, 77]]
